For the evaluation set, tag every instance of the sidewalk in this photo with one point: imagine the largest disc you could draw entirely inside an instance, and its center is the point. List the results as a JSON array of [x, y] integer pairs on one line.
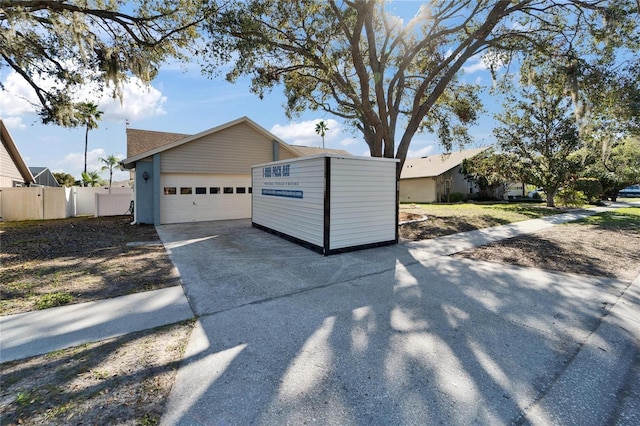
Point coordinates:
[[39, 332], [455, 243]]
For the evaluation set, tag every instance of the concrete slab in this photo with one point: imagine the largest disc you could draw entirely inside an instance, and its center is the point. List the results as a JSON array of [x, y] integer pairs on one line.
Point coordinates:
[[387, 336], [227, 264], [601, 385], [38, 332]]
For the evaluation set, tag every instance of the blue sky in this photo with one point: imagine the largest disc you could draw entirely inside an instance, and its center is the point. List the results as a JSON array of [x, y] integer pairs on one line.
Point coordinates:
[[181, 100]]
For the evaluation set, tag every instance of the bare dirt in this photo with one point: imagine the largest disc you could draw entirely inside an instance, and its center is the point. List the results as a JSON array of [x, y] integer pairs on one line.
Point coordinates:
[[575, 248], [124, 380], [53, 262]]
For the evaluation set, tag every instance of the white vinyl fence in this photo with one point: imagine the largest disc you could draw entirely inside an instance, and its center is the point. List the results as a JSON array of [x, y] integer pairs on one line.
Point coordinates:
[[34, 203]]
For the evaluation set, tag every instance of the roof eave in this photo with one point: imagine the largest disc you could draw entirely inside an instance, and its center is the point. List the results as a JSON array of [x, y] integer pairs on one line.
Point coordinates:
[[15, 154]]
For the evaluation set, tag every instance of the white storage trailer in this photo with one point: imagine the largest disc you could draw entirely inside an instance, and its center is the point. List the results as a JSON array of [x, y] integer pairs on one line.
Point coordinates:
[[328, 203]]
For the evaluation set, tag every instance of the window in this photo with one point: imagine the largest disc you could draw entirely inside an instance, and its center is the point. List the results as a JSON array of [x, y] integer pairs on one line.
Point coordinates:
[[214, 190], [186, 191], [241, 190], [201, 190], [169, 190], [250, 190], [228, 190]]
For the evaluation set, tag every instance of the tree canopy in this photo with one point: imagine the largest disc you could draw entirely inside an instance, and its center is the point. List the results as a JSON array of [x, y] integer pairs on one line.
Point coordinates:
[[392, 78], [57, 46], [538, 129]]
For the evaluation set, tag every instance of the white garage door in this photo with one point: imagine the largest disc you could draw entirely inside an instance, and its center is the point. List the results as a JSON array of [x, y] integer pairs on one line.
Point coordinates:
[[201, 197]]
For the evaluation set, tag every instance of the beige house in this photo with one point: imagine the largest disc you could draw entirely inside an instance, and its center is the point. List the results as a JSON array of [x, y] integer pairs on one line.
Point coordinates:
[[13, 170], [432, 179], [207, 176]]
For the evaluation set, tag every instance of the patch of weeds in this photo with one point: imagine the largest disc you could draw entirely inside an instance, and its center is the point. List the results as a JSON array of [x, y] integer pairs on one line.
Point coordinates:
[[74, 351], [148, 420], [59, 411], [100, 374], [26, 398], [51, 300]]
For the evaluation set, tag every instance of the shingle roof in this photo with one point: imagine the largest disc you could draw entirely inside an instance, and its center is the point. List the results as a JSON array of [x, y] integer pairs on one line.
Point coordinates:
[[35, 171], [139, 141], [435, 165], [312, 150]]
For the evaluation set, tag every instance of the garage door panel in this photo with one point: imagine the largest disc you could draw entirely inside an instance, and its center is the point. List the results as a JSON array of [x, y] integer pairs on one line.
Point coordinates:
[[178, 207]]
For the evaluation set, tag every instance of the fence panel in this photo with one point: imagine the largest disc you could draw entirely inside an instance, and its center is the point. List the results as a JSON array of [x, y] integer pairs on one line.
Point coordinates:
[[54, 202], [22, 203], [86, 198], [112, 204]]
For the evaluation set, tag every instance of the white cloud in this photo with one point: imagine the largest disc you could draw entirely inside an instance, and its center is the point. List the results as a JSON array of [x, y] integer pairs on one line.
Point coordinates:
[[138, 101], [17, 98], [304, 133], [420, 152], [475, 64], [73, 163], [14, 123]]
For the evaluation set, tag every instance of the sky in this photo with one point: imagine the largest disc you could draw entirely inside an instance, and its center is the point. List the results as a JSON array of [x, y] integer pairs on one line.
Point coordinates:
[[182, 100]]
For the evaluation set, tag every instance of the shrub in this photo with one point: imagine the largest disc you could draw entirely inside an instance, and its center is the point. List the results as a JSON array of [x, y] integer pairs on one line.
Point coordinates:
[[570, 197], [50, 300], [456, 197], [590, 187]]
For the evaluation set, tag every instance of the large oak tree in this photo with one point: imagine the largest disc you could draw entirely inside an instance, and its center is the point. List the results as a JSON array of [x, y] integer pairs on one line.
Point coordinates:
[[60, 45], [393, 78]]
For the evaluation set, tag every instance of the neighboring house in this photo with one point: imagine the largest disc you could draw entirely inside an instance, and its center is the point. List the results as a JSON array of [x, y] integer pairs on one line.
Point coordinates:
[[44, 177], [13, 170], [207, 176], [431, 179], [513, 190]]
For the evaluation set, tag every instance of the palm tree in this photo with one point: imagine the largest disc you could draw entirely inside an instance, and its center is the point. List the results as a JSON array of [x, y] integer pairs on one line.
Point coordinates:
[[321, 129], [87, 115], [109, 163], [91, 178]]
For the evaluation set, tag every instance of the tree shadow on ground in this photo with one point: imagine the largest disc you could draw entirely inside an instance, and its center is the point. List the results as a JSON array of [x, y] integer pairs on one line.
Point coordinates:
[[120, 380], [440, 340]]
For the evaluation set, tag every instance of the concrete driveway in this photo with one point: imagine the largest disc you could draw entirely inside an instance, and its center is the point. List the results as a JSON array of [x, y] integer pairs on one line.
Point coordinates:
[[395, 335]]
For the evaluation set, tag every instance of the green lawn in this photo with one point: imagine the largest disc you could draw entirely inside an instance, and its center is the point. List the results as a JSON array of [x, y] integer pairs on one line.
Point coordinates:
[[500, 212], [627, 218]]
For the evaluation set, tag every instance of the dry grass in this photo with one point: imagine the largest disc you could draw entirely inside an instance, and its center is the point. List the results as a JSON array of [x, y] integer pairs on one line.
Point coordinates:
[[55, 262]]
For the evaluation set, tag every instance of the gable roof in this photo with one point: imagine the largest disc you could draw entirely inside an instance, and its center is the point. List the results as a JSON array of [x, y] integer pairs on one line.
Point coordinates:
[[435, 165], [37, 171], [44, 176], [313, 150], [130, 161], [12, 149], [139, 141]]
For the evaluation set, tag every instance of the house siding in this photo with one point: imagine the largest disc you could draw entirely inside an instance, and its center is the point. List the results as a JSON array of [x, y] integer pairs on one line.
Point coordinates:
[[8, 170], [230, 151], [421, 190]]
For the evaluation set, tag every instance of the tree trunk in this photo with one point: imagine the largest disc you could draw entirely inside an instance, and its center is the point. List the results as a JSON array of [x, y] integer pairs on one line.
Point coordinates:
[[86, 144], [550, 195]]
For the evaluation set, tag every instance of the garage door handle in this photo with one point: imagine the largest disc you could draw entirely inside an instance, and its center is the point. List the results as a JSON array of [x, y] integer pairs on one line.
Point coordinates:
[[194, 203]]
